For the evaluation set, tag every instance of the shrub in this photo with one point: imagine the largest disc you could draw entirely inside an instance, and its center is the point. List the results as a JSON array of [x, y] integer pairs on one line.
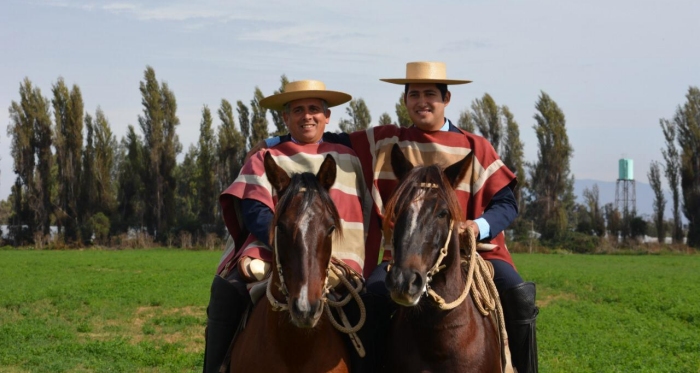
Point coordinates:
[[575, 242], [99, 225]]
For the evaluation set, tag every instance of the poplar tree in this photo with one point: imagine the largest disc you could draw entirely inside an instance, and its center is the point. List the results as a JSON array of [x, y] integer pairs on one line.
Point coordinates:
[[277, 118], [88, 188], [161, 146], [43, 136], [404, 120], [243, 122], [654, 176], [551, 184], [188, 194], [465, 122], [230, 147], [513, 155], [687, 120], [23, 115], [487, 118], [385, 119], [672, 172], [360, 118], [104, 164], [152, 127], [172, 147], [206, 166], [258, 122], [68, 142], [132, 190]]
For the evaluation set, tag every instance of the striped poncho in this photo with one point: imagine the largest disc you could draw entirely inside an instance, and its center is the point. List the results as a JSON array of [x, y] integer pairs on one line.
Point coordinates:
[[349, 193], [488, 175]]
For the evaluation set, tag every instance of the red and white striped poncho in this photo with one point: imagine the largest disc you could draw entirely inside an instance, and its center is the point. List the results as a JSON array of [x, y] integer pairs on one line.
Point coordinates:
[[349, 193], [489, 175]]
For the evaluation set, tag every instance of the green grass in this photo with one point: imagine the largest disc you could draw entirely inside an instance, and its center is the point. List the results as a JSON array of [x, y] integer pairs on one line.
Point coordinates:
[[103, 311], [144, 311], [617, 313]]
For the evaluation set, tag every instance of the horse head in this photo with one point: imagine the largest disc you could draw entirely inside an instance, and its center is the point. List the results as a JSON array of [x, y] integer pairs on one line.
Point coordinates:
[[423, 212], [302, 233]]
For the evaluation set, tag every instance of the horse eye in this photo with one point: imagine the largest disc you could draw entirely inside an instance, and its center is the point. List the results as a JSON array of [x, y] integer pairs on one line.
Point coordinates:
[[442, 214], [331, 229]]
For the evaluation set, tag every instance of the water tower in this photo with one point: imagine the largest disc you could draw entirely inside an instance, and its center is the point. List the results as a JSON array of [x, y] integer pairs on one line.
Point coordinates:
[[625, 191]]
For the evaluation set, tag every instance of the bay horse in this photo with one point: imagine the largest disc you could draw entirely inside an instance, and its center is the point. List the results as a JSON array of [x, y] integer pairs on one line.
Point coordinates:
[[427, 333], [287, 330]]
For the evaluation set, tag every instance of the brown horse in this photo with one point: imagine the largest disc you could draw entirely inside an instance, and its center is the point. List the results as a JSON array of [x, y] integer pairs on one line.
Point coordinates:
[[288, 330], [425, 335]]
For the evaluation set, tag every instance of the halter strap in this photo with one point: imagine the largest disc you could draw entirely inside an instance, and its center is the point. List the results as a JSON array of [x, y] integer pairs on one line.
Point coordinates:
[[443, 253]]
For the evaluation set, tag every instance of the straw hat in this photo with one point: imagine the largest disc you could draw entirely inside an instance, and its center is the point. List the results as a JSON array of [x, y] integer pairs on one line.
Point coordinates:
[[426, 72], [304, 89]]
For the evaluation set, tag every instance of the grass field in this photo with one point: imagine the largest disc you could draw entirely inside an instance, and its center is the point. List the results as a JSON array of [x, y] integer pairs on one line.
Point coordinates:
[[144, 311]]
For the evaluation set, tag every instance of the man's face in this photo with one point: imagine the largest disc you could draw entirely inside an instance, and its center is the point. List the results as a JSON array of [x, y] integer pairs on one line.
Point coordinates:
[[306, 119], [426, 106]]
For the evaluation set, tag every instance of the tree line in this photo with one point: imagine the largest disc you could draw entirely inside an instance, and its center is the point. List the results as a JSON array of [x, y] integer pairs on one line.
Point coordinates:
[[73, 173]]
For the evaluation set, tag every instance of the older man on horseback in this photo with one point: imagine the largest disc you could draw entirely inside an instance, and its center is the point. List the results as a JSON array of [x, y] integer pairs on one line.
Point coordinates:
[[488, 204], [248, 208]]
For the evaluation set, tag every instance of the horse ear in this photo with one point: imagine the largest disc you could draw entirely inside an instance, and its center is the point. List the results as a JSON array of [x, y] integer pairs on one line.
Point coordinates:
[[456, 172], [326, 174], [275, 174], [399, 163]]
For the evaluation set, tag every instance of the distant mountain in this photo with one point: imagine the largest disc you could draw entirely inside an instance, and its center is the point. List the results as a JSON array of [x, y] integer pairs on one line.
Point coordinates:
[[644, 201]]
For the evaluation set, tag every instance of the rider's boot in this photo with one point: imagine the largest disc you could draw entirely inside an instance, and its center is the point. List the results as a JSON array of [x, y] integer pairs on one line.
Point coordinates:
[[228, 301], [520, 315]]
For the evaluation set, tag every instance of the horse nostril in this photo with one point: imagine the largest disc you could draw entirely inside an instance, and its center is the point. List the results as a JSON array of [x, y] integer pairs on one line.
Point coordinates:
[[416, 281], [316, 308]]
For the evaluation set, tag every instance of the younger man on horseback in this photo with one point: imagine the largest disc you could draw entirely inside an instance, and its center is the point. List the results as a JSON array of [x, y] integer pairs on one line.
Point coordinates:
[[248, 208], [489, 205]]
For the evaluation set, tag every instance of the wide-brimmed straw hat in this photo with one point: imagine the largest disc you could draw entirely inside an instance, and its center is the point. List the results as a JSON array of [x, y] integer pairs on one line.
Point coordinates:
[[426, 72], [304, 89]]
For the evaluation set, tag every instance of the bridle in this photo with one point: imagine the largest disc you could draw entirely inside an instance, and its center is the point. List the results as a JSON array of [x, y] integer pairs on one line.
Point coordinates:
[[438, 266], [282, 287], [326, 303]]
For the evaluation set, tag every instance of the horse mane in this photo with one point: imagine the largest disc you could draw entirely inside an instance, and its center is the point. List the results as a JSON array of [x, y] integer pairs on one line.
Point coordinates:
[[408, 190], [307, 184]]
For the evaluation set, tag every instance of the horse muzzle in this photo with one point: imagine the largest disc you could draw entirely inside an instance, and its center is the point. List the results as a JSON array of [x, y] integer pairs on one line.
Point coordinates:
[[406, 285], [305, 314]]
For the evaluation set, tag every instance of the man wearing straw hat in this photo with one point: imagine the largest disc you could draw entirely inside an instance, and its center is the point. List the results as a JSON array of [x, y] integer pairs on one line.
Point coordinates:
[[489, 204], [248, 207]]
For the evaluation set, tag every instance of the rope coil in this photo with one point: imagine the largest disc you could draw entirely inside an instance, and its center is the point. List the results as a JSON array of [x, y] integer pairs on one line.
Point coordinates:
[[484, 292]]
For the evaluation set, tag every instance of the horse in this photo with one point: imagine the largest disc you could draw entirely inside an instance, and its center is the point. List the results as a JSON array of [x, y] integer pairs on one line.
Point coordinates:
[[427, 333], [287, 330]]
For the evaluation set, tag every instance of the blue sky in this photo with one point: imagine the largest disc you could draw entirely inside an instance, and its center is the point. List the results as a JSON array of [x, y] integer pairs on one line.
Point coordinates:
[[614, 67]]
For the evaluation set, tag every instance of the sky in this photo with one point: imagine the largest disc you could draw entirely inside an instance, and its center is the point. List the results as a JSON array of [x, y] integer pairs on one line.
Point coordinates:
[[614, 67]]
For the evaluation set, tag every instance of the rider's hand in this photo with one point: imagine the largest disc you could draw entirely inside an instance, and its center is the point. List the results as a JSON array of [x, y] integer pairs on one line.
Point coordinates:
[[469, 223]]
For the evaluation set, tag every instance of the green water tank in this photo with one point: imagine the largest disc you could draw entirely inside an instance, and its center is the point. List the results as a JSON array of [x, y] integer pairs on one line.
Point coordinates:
[[626, 169]]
